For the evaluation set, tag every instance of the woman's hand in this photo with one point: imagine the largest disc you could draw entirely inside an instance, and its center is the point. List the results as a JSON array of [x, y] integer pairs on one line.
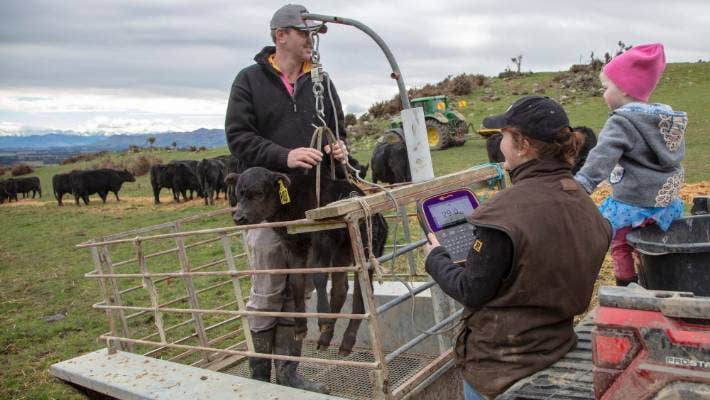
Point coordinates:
[[433, 242]]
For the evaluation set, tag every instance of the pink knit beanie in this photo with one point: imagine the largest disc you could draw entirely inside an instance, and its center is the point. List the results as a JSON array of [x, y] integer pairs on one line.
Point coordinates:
[[637, 71]]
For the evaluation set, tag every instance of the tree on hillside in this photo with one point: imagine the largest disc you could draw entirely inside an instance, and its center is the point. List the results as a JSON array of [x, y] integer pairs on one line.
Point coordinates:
[[517, 61], [622, 47], [174, 145], [151, 141]]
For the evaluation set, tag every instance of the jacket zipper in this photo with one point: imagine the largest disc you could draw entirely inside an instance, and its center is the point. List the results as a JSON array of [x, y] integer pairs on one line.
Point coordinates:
[[293, 97]]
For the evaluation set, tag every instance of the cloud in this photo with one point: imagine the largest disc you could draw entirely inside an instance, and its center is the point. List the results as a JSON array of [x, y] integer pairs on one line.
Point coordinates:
[[99, 100], [66, 63], [103, 125]]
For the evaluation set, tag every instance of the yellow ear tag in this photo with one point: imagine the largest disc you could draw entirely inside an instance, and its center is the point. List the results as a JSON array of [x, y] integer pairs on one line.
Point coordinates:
[[283, 193]]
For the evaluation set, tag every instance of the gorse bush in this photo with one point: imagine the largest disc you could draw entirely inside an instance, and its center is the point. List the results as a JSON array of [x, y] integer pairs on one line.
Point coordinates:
[[22, 169], [84, 157], [138, 166]]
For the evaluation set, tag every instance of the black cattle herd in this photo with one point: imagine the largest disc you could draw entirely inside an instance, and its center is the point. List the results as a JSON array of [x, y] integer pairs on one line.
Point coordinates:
[[186, 179], [203, 178], [206, 178]]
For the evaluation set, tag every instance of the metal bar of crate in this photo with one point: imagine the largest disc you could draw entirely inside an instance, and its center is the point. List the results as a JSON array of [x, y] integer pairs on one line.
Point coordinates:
[[104, 293], [105, 257], [237, 291], [280, 271], [343, 363], [282, 224], [391, 356], [192, 299], [185, 322], [182, 298], [404, 249], [171, 250], [162, 279], [277, 314], [148, 282], [398, 300], [379, 375]]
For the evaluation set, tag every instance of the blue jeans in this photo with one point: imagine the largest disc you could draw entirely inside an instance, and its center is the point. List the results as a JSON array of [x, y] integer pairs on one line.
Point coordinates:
[[469, 393]]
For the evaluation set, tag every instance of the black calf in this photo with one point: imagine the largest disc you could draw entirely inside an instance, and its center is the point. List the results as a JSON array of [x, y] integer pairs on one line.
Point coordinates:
[[255, 194]]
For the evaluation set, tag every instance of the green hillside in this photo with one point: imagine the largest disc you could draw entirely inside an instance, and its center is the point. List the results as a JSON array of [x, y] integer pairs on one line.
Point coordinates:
[[42, 274]]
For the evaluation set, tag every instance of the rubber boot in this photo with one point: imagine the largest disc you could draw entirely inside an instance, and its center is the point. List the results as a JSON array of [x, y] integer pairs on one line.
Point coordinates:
[[263, 343], [287, 371], [622, 282]]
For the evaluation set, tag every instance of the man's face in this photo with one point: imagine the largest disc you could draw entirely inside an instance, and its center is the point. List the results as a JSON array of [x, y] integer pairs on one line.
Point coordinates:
[[297, 43]]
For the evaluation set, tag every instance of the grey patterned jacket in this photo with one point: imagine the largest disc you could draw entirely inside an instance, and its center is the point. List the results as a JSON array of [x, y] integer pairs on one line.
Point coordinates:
[[640, 149]]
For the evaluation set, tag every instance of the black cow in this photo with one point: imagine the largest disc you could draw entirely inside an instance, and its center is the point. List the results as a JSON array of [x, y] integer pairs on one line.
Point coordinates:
[[8, 190], [211, 173], [361, 169], [61, 185], [180, 174], [159, 180], [230, 163], [493, 148], [184, 178], [495, 155], [590, 140], [390, 162], [100, 181], [27, 185], [255, 196]]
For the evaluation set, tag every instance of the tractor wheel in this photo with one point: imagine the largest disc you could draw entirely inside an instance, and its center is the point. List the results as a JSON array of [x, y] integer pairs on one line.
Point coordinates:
[[461, 132], [438, 134]]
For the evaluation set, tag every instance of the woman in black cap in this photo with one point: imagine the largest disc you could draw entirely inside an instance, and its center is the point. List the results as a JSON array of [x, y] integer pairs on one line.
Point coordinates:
[[538, 249]]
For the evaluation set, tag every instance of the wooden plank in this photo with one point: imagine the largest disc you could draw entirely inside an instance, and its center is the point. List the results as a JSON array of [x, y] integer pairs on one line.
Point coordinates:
[[404, 194]]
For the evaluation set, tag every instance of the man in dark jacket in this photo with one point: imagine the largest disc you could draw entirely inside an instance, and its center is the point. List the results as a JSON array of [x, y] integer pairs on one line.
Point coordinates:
[[269, 123]]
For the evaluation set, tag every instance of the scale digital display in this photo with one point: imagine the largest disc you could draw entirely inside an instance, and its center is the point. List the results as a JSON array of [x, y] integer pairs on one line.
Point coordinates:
[[447, 209], [450, 212], [444, 215]]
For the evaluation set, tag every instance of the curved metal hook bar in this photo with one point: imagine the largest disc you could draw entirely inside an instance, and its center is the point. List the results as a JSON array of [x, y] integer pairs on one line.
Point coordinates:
[[396, 74]]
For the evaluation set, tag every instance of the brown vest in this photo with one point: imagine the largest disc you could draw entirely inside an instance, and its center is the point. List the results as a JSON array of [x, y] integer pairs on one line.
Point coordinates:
[[559, 241]]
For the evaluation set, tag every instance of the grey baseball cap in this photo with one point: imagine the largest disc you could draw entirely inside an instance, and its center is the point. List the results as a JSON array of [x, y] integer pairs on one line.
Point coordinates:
[[289, 16]]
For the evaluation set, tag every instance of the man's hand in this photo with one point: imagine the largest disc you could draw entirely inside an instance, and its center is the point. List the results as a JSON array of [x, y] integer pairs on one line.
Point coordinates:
[[433, 242], [303, 157], [340, 152]]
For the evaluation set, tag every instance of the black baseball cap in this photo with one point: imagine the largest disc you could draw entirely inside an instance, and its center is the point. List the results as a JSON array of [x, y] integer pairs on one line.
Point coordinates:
[[290, 16], [538, 117]]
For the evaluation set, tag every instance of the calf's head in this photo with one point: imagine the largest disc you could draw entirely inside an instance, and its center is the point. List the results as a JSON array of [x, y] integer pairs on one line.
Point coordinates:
[[255, 194]]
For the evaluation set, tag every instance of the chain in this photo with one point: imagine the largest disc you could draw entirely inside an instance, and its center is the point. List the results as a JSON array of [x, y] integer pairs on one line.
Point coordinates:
[[317, 76]]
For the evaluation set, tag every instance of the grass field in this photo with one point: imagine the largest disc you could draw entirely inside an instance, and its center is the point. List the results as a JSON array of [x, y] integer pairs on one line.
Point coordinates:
[[41, 273]]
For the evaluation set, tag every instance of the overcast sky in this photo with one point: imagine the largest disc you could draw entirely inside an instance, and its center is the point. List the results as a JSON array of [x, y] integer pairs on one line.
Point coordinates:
[[152, 66]]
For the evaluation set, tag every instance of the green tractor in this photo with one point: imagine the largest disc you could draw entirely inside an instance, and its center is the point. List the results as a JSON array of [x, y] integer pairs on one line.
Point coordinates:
[[445, 127]]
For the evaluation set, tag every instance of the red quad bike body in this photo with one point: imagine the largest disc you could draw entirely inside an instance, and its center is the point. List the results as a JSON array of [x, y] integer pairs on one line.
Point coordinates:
[[637, 344], [651, 345]]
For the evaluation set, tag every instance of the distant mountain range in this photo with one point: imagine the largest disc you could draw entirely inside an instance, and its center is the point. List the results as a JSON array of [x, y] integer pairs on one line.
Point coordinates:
[[80, 143]]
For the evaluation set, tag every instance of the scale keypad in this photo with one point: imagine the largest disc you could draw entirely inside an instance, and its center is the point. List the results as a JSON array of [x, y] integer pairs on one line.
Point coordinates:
[[457, 240]]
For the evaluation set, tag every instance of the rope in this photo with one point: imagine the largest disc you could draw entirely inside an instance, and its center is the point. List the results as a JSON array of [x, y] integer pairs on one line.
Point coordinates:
[[317, 143], [379, 271]]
